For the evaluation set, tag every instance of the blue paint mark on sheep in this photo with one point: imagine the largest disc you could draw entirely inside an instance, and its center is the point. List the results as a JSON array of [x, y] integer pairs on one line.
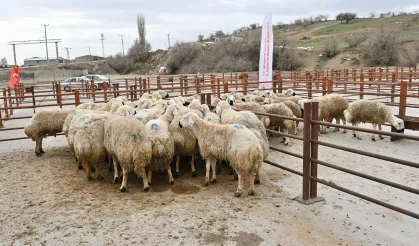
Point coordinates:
[[238, 126], [154, 126], [144, 110]]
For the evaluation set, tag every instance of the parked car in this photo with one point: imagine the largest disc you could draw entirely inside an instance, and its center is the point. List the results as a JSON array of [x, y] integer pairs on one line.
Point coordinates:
[[72, 83], [98, 80]]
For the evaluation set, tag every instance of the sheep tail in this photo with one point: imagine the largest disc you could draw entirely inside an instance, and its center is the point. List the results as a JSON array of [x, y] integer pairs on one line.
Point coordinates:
[[256, 156]]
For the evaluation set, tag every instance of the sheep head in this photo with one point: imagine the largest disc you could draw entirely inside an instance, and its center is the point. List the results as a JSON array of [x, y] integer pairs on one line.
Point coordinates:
[[289, 92], [397, 123], [188, 120], [231, 100]]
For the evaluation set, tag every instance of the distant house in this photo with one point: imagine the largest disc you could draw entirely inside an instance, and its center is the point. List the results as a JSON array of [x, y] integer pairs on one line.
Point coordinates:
[[228, 39], [205, 44], [88, 58], [41, 61]]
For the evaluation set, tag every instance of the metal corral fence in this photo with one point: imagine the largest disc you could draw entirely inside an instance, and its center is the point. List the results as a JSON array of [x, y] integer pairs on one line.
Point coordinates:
[[51, 94]]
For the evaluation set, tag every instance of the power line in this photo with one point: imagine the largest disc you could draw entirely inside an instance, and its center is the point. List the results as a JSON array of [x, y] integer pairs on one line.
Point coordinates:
[[122, 40], [168, 40], [103, 47], [46, 41]]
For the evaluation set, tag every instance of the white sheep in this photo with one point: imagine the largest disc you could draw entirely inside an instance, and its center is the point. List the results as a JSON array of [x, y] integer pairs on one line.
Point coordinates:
[[283, 124], [234, 143], [89, 147], [185, 141], [296, 110], [254, 107], [125, 139], [43, 123], [376, 113], [145, 115], [162, 147], [195, 106]]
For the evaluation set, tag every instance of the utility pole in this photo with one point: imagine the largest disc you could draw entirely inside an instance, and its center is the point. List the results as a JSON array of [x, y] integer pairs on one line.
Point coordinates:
[[122, 40], [103, 47], [90, 53], [168, 40], [46, 41], [56, 51], [67, 49]]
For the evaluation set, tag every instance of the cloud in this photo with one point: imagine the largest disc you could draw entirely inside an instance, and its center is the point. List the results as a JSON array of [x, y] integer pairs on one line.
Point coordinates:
[[79, 23]]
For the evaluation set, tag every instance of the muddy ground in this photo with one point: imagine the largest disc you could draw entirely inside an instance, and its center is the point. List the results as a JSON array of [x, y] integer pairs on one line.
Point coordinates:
[[48, 201]]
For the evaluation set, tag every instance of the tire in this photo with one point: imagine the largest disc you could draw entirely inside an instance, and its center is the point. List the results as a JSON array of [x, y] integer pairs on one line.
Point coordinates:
[[67, 88]]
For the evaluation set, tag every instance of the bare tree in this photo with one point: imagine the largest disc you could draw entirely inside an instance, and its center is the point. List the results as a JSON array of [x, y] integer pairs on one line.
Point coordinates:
[[372, 15], [288, 59], [219, 33], [318, 18], [200, 38], [383, 49], [354, 40], [330, 48], [141, 29], [409, 54], [298, 22], [253, 26], [326, 17]]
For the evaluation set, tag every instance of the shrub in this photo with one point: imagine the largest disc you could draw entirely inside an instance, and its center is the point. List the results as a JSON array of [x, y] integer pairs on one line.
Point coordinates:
[[181, 54], [354, 40], [330, 48], [383, 48]]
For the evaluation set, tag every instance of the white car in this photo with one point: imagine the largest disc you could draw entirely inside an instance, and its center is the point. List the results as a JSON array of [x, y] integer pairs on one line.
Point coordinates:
[[98, 80], [72, 83]]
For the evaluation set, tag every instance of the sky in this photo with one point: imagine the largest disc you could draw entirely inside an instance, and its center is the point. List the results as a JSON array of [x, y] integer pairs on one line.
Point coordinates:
[[79, 23]]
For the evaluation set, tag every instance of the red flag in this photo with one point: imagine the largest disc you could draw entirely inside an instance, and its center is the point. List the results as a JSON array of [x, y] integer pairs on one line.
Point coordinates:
[[14, 77]]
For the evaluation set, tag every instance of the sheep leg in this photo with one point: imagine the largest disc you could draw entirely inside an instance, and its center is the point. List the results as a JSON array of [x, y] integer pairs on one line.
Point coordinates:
[[37, 146], [115, 169], [150, 173], [207, 171], [142, 173], [169, 172], [257, 178], [337, 122], [355, 135], [344, 123], [374, 126], [252, 190], [40, 146], [194, 173], [295, 128], [213, 167], [287, 139], [89, 171], [177, 166], [239, 190], [124, 180], [379, 135]]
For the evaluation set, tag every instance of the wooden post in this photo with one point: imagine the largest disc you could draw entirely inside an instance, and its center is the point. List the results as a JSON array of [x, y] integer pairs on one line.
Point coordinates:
[[6, 111], [306, 151], [410, 78], [309, 89], [114, 90], [274, 84], [53, 88], [393, 87], [280, 83], [148, 83], [135, 91], [126, 87], [131, 93], [10, 100], [361, 87], [403, 98], [181, 85], [33, 97], [17, 98], [212, 77], [314, 148], [105, 92], [218, 87], [59, 95], [92, 86], [185, 83], [198, 85], [171, 80], [225, 87], [77, 97], [158, 83], [324, 86], [244, 84], [1, 119]]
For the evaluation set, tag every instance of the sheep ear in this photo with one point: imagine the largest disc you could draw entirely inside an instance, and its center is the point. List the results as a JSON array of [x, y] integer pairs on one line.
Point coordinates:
[[191, 121]]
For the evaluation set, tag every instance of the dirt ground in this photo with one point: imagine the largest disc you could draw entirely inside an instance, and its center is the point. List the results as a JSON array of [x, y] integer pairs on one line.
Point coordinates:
[[48, 201]]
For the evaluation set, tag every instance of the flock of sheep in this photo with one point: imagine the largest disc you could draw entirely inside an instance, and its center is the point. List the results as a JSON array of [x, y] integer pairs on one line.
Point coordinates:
[[146, 135]]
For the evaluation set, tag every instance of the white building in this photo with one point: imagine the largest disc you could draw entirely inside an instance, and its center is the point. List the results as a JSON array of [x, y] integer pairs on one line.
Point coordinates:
[[228, 39]]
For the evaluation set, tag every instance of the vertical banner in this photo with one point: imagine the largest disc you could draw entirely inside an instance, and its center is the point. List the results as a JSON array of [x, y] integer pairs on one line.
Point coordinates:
[[266, 53], [14, 77]]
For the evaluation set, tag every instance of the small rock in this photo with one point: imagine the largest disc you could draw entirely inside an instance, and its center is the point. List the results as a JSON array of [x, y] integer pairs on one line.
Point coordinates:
[[358, 227], [176, 237]]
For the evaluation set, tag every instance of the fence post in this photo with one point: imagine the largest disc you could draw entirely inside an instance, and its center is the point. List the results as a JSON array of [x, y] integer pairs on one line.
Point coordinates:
[[17, 97], [158, 83], [53, 89], [306, 151], [212, 82], [280, 83], [393, 87], [181, 85], [309, 89], [274, 76], [410, 78], [202, 98], [126, 87], [218, 87], [135, 91], [6, 111], [92, 86], [77, 97], [225, 87], [148, 83], [208, 99], [185, 83], [105, 93], [10, 100], [324, 85], [171, 80], [198, 85], [59, 96], [244, 85], [33, 97], [403, 98], [131, 92], [314, 148], [114, 90], [144, 85], [361, 87]]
